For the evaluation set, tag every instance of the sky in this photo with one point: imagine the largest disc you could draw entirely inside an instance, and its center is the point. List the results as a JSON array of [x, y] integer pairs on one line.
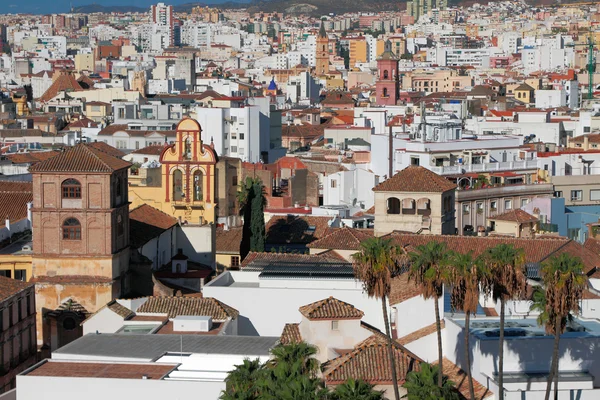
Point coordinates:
[[58, 6]]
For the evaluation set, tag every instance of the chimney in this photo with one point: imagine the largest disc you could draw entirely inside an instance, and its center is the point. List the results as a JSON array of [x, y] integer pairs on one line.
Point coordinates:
[[29, 218], [7, 224]]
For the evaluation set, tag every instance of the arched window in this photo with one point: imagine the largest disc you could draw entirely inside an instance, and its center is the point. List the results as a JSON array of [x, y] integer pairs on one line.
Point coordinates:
[[198, 186], [120, 228], [71, 189], [385, 92], [323, 47], [393, 206], [385, 74], [71, 229], [188, 149], [177, 185]]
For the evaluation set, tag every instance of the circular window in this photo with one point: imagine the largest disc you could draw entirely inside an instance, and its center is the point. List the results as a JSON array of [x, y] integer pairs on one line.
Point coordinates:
[[69, 323]]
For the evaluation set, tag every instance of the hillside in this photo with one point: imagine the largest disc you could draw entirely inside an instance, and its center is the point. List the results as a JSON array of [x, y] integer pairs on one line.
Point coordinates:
[[99, 8]]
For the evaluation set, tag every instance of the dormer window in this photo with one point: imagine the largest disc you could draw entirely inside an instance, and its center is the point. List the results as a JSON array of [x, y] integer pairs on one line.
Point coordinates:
[[71, 189]]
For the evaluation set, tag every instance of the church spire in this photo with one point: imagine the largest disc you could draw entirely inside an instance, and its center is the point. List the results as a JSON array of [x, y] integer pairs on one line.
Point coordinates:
[[322, 32]]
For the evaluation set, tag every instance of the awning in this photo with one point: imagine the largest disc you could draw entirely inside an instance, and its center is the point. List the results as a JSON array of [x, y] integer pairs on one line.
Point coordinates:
[[506, 174]]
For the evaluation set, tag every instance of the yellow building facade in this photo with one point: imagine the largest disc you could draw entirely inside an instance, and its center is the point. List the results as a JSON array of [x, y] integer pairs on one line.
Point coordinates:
[[358, 51], [187, 187]]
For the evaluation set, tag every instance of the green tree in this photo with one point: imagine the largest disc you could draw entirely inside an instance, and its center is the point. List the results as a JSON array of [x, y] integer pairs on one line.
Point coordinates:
[[251, 200], [375, 265], [356, 390], [428, 271], [422, 385], [565, 282], [243, 382], [466, 275], [507, 280], [291, 374]]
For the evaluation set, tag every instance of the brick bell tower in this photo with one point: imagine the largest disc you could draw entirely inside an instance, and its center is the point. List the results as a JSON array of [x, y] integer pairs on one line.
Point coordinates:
[[322, 56], [387, 86], [80, 230]]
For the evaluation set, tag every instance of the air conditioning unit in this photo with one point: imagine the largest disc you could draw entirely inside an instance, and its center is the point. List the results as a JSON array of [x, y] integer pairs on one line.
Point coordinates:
[[192, 323]]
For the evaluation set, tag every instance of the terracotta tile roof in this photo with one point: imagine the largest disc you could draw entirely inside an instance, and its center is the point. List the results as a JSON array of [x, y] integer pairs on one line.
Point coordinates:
[[536, 250], [308, 132], [107, 148], [81, 123], [332, 254], [418, 334], [154, 150], [343, 239], [415, 179], [81, 158], [113, 128], [228, 241], [370, 211], [296, 229], [120, 310], [591, 137], [86, 82], [65, 81], [198, 306], [369, 362], [338, 98], [72, 280], [31, 157], [81, 369], [10, 287], [459, 377], [592, 245], [516, 215], [14, 197], [329, 309], [590, 259], [290, 334], [402, 289], [146, 223], [287, 257]]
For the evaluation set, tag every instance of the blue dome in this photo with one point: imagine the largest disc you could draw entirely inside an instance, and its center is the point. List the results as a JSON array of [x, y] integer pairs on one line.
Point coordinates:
[[272, 85]]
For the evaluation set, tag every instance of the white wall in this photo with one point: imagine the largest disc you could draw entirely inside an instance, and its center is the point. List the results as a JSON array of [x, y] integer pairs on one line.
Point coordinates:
[[264, 311], [104, 321], [414, 314], [59, 388]]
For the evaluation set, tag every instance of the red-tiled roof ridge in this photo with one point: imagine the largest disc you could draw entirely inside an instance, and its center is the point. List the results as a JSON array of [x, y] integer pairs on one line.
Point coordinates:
[[81, 158], [180, 305], [258, 256], [415, 179], [65, 81], [365, 362], [420, 333], [107, 148], [9, 287], [459, 377], [290, 334], [342, 239], [516, 215], [330, 309]]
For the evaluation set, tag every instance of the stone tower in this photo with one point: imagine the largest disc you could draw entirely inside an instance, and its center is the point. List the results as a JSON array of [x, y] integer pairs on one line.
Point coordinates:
[[388, 82], [322, 55]]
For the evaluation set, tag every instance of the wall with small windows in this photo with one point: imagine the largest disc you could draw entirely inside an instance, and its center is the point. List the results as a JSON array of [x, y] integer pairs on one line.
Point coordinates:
[[18, 347], [328, 335]]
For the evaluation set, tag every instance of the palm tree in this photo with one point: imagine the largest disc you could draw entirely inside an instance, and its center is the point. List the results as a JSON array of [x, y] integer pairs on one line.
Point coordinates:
[[295, 359], [565, 282], [375, 265], [466, 274], [428, 271], [507, 279], [356, 390], [241, 383], [422, 385]]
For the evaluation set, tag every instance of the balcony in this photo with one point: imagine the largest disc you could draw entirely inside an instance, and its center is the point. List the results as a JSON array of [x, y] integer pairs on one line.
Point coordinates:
[[485, 167], [504, 191]]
